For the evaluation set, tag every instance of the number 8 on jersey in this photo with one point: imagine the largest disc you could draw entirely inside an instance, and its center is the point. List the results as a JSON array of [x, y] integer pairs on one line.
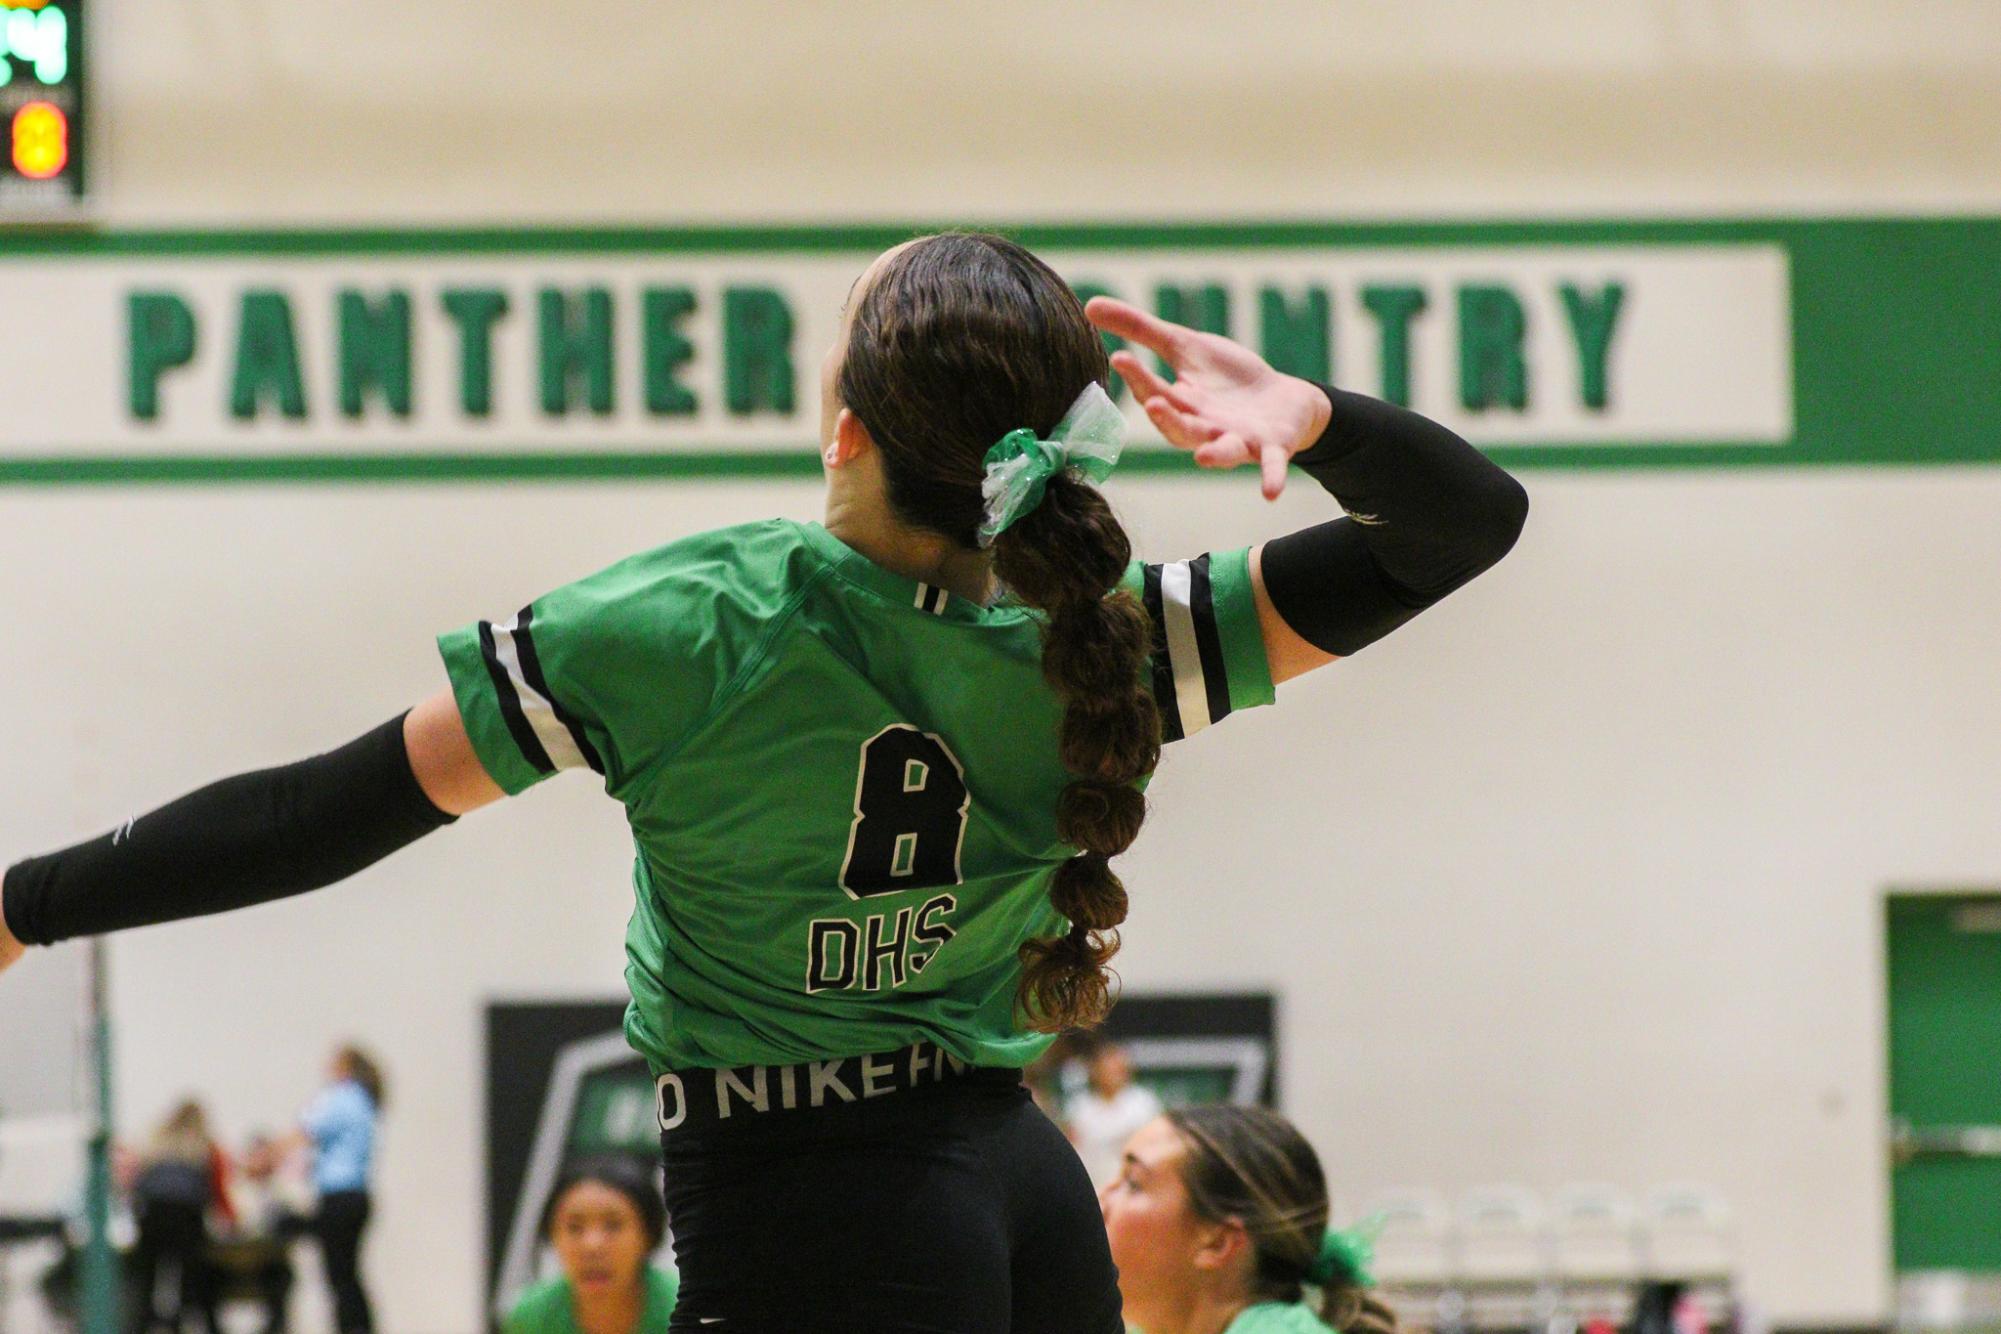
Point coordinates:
[[911, 804]]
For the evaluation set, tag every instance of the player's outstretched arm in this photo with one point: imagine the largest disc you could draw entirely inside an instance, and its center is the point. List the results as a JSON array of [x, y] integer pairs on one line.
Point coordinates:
[[253, 838], [442, 758], [1425, 511]]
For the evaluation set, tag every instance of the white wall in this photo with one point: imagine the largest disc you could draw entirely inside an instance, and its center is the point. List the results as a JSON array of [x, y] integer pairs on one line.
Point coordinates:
[[656, 110], [1578, 877]]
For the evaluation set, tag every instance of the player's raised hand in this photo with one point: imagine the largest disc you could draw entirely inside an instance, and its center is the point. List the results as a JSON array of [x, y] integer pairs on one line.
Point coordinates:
[[1226, 405]]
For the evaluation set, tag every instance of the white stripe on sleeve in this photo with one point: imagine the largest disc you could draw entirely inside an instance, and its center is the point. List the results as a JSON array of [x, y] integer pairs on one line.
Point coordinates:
[[1191, 691], [541, 714]]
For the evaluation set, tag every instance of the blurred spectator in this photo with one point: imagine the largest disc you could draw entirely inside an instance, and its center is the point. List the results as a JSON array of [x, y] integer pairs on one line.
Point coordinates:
[[341, 1123], [1043, 1076], [1111, 1106], [177, 1181], [604, 1219], [270, 1211]]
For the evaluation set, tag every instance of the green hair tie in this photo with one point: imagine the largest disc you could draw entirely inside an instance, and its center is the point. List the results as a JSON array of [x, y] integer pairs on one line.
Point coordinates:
[[1019, 467], [1347, 1258]]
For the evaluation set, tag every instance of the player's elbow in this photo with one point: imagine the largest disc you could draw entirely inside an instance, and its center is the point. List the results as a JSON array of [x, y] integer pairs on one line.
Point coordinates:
[[1495, 519]]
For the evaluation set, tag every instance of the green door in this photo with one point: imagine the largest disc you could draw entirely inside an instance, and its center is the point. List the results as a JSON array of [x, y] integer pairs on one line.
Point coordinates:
[[1945, 1081]]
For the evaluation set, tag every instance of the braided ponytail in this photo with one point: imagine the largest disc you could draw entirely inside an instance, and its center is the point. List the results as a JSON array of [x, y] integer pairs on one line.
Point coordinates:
[[1066, 557], [958, 340], [1356, 1310]]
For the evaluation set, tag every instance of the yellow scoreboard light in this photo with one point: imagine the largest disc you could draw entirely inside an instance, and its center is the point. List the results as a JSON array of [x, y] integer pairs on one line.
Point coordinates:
[[41, 107], [41, 141]]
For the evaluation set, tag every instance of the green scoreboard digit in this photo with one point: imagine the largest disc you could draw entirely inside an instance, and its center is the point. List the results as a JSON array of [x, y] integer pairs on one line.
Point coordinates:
[[42, 107]]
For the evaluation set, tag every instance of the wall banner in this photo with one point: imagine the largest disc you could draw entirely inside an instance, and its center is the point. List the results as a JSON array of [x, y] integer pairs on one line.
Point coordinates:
[[459, 354]]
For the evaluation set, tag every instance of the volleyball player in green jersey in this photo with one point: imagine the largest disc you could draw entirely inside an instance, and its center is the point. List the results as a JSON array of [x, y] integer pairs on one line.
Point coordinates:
[[1218, 1221], [875, 771]]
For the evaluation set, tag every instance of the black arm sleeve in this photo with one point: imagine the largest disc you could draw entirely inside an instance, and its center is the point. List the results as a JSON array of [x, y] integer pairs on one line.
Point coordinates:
[[1426, 513], [249, 839]]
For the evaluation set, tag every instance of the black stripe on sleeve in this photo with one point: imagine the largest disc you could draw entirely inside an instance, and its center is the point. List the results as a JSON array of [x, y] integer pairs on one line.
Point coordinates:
[[510, 706], [934, 600], [531, 670], [1208, 639], [1163, 664]]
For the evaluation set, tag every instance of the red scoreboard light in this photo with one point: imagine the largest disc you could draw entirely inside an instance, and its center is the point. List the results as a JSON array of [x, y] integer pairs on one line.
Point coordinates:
[[42, 107]]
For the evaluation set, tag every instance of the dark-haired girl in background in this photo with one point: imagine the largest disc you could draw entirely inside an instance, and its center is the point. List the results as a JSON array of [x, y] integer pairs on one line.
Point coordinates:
[[875, 771], [1218, 1224], [604, 1220]]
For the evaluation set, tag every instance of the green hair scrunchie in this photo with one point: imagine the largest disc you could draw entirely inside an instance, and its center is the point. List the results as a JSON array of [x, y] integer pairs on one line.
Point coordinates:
[[1347, 1258], [1018, 468]]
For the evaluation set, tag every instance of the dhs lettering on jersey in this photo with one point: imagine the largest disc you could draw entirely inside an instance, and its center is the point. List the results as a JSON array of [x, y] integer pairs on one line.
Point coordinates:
[[882, 951]]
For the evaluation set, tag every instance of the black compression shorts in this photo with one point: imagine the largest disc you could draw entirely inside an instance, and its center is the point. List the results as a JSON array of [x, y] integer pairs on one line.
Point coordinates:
[[954, 1208]]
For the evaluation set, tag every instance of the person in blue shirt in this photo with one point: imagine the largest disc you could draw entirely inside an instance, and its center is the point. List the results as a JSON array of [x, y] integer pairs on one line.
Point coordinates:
[[1218, 1224], [340, 1123]]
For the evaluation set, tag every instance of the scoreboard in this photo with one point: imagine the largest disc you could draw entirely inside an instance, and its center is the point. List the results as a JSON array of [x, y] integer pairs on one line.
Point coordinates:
[[41, 107]]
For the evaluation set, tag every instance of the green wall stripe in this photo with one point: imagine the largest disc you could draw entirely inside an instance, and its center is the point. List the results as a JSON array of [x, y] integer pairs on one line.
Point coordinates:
[[787, 239], [108, 470], [69, 470]]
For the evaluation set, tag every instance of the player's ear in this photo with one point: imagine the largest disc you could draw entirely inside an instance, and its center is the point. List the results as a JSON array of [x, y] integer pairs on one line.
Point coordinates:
[[1223, 1246], [851, 440]]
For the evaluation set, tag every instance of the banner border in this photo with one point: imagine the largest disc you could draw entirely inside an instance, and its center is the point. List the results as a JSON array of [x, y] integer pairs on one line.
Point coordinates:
[[1866, 294], [870, 237], [789, 464]]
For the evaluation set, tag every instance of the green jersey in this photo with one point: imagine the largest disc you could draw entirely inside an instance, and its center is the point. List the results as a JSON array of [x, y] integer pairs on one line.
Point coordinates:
[[546, 1308], [1277, 1318], [841, 783]]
